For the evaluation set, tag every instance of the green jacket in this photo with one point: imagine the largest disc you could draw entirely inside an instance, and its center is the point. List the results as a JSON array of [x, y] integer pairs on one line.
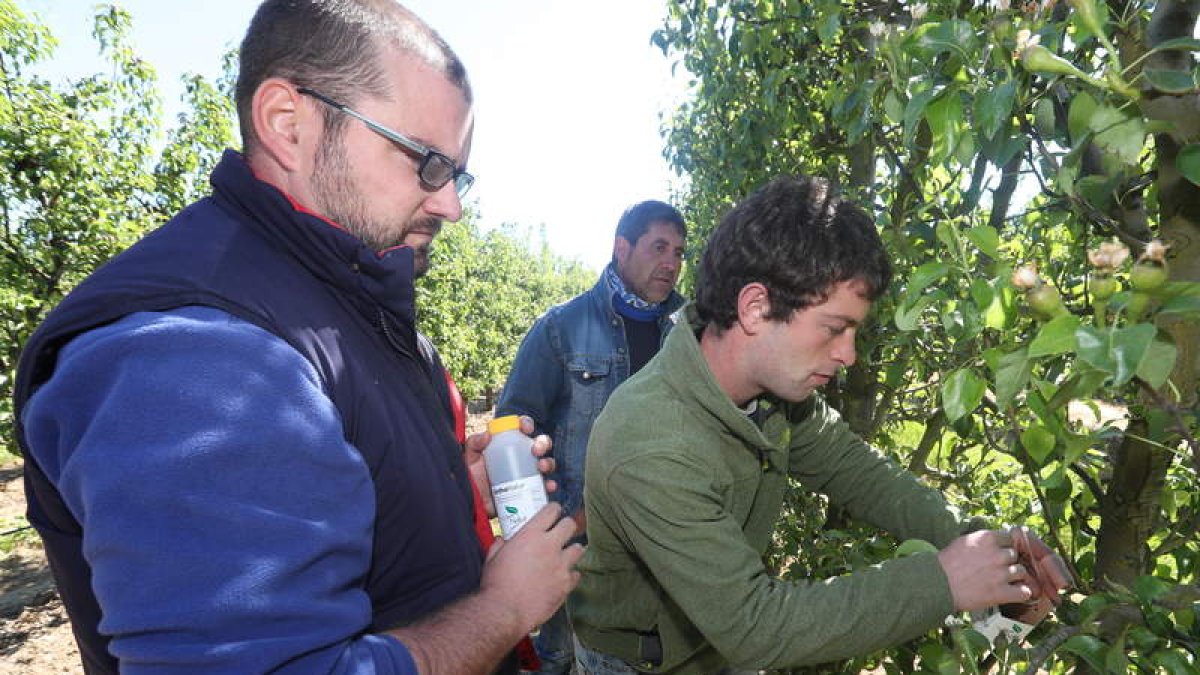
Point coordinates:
[[682, 495]]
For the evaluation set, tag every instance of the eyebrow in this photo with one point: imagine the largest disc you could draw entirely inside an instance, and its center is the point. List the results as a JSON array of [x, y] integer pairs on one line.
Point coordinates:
[[848, 320]]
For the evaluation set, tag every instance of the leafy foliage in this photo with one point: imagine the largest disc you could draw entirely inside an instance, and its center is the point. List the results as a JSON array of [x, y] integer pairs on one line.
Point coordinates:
[[481, 295], [80, 174], [88, 167], [990, 136]]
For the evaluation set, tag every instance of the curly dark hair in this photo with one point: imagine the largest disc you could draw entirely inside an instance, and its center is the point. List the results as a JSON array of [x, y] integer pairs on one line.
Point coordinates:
[[334, 47], [798, 238]]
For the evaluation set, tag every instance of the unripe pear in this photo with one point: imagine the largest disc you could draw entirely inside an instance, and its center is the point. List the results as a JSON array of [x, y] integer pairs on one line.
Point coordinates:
[[1038, 59], [1148, 275], [1138, 302], [1103, 287], [1045, 301]]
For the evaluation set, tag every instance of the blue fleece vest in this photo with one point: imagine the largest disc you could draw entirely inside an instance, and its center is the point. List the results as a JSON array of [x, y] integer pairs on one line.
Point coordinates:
[[248, 250]]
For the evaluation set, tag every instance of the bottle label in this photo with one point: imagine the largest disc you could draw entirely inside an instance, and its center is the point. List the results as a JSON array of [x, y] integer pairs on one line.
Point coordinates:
[[517, 501]]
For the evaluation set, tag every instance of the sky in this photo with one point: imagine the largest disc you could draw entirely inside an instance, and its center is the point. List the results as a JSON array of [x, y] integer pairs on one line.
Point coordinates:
[[568, 97]]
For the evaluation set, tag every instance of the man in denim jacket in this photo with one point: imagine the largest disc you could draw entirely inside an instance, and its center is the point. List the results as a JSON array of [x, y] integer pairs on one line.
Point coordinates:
[[578, 352]]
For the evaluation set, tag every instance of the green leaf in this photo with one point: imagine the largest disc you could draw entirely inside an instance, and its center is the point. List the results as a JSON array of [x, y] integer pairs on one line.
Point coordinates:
[[923, 276], [1170, 81], [1000, 313], [1148, 588], [962, 393], [947, 234], [893, 107], [1158, 362], [1082, 383], [993, 107], [945, 115], [1188, 162], [830, 24], [986, 239], [1056, 337], [1092, 346], [908, 319], [1116, 351], [982, 294], [1120, 133], [1129, 347], [1004, 145], [930, 39], [1012, 375], [1043, 117], [1174, 662], [1038, 441], [1090, 648], [1177, 44], [915, 110]]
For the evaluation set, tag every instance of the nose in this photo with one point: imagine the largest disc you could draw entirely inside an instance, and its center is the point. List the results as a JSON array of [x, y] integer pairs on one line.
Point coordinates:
[[672, 264], [843, 349], [444, 203]]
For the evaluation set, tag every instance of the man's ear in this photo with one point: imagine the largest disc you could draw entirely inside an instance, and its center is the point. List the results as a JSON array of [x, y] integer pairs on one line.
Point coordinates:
[[285, 127], [621, 250], [753, 307]]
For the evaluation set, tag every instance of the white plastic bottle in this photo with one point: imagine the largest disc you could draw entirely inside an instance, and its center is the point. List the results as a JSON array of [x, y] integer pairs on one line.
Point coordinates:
[[517, 487]]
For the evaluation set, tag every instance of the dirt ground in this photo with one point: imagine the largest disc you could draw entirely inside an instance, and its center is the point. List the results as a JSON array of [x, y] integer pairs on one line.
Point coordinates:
[[35, 636]]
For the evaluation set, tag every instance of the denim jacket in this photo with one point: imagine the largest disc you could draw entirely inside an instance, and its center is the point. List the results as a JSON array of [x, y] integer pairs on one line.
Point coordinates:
[[569, 363]]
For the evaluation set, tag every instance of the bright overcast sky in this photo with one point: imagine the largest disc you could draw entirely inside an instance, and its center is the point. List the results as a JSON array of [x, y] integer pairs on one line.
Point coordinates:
[[568, 96]]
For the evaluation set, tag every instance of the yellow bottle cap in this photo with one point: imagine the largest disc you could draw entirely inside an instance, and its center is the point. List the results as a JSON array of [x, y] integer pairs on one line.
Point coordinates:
[[505, 423]]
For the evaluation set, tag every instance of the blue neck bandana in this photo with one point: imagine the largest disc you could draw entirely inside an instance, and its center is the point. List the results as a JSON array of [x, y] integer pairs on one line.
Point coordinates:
[[627, 303]]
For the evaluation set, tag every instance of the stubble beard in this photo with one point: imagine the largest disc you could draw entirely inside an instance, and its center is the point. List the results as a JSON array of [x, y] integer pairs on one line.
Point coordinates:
[[338, 199]]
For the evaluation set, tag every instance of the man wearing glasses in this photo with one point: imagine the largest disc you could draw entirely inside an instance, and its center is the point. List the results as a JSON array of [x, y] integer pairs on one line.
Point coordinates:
[[235, 452]]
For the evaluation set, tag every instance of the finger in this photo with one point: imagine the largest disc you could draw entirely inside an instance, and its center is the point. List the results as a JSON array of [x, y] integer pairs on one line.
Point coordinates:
[[1017, 573], [1009, 556], [544, 519], [477, 442], [566, 528], [497, 544], [551, 485], [527, 427], [546, 465], [1004, 538], [542, 445], [574, 552], [1017, 592]]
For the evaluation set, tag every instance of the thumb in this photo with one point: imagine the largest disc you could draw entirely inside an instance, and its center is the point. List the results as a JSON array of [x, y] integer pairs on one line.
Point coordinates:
[[494, 550]]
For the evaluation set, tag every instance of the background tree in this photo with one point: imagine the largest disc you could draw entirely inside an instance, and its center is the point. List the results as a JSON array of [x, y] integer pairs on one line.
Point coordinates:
[[482, 294], [990, 136], [84, 170], [89, 166]]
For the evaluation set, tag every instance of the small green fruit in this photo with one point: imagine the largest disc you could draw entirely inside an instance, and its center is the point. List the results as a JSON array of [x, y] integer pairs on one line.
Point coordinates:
[[1045, 301], [1038, 59], [1148, 275], [1138, 302], [1103, 287], [914, 546]]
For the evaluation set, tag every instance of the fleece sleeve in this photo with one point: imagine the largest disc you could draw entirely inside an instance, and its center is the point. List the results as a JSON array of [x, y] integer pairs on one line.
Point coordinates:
[[227, 521]]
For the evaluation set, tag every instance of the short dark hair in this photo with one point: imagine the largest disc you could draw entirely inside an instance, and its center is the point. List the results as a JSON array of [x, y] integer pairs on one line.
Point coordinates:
[[798, 238], [638, 218], [334, 47]]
